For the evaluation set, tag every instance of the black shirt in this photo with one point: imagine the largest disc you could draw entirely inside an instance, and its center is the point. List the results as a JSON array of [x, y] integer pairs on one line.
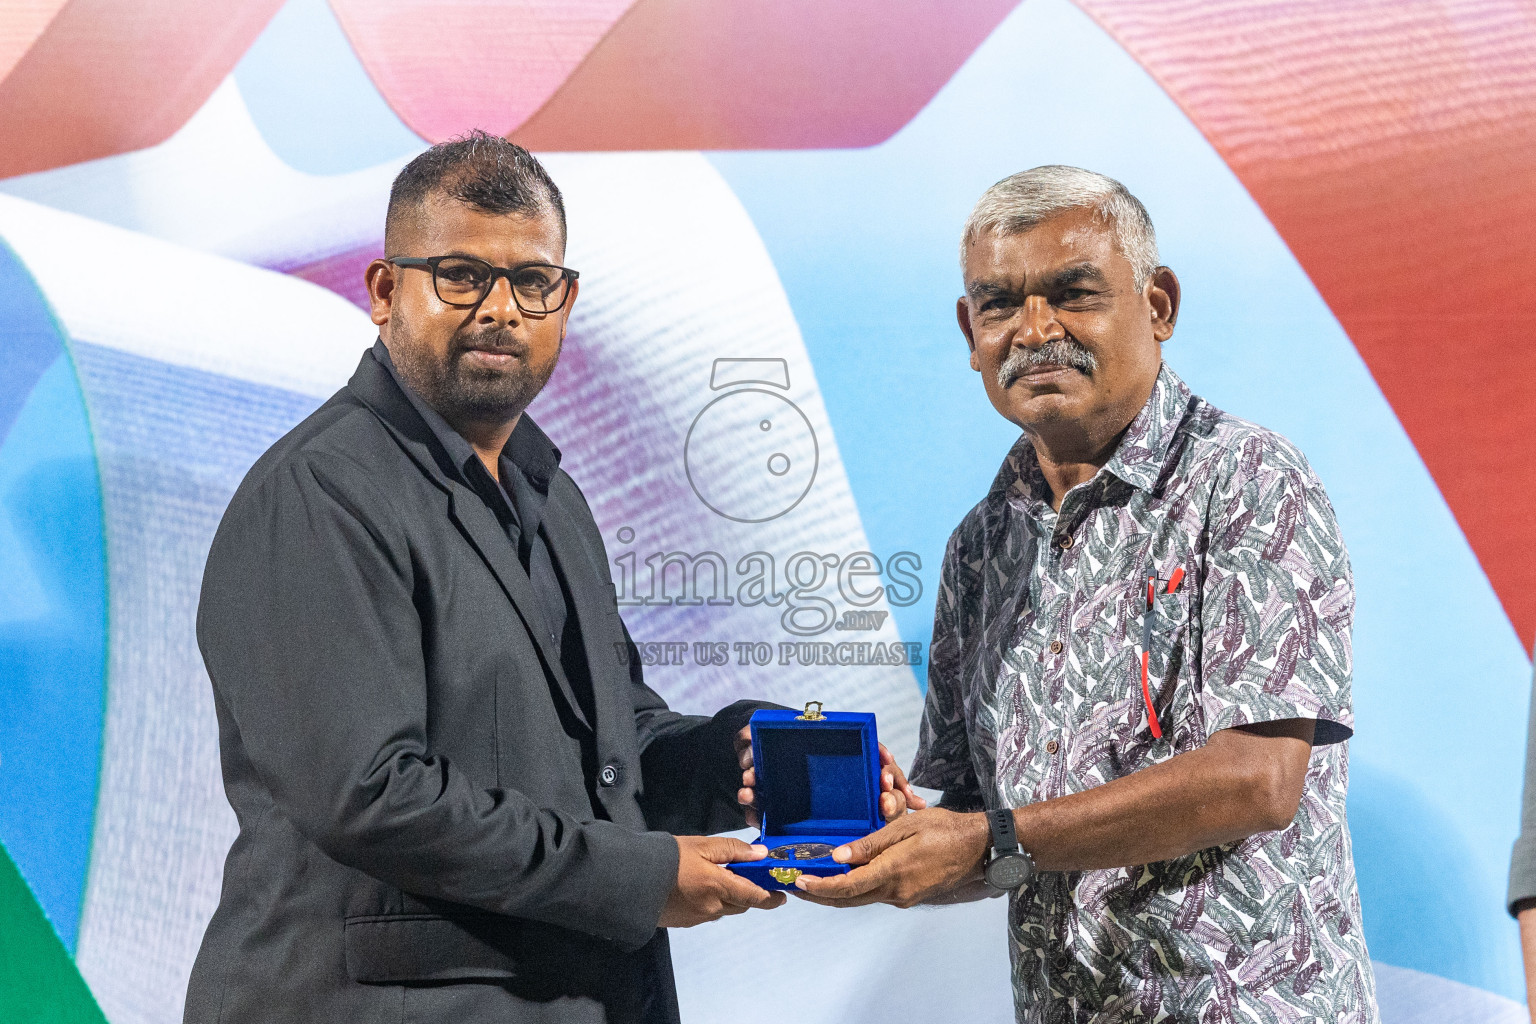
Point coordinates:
[[526, 466]]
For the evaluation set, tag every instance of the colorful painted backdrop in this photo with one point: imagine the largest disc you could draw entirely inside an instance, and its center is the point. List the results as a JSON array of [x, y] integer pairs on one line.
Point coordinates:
[[765, 202]]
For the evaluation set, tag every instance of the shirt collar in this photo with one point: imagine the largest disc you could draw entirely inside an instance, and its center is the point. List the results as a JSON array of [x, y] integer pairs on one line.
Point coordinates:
[[1020, 481], [529, 448], [1138, 460], [1144, 449]]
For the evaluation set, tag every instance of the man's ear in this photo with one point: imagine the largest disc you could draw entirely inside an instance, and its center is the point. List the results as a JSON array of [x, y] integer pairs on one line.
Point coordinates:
[[565, 311], [380, 279], [963, 316], [1163, 294]]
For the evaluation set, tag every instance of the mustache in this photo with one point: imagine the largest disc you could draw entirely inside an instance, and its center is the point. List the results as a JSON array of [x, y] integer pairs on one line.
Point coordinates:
[[494, 339], [1062, 352]]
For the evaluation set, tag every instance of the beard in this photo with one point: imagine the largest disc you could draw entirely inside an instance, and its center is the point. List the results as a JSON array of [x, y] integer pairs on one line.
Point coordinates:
[[462, 391], [1067, 352]]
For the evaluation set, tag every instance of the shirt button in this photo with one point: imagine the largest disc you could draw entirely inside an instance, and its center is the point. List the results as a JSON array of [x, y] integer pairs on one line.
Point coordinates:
[[608, 776], [1052, 746], [1055, 646], [1065, 543]]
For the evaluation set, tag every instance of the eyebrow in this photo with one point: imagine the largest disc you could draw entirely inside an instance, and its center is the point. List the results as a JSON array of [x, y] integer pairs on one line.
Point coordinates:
[[1078, 273], [461, 254], [981, 288]]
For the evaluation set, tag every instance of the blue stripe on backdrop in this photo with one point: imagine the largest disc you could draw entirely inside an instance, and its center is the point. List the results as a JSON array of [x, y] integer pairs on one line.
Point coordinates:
[[53, 591], [866, 244], [182, 433], [302, 61], [32, 337]]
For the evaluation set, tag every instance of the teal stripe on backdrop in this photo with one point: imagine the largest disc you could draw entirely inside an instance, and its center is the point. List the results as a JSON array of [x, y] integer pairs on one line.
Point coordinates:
[[38, 981]]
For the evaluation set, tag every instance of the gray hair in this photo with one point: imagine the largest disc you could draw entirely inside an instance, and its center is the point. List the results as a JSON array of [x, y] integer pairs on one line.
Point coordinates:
[[1021, 201]]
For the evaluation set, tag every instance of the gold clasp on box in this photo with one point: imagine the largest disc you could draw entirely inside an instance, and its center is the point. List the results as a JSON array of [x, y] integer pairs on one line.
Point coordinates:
[[810, 714], [784, 876]]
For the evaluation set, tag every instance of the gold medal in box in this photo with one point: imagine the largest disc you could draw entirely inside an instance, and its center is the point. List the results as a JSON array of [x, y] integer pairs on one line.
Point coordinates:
[[818, 787]]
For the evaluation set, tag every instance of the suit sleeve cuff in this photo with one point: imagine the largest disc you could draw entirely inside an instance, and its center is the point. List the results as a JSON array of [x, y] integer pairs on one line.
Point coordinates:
[[652, 877]]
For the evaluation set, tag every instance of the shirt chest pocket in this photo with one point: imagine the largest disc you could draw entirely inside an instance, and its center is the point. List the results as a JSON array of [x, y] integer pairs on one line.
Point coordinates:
[[1115, 627]]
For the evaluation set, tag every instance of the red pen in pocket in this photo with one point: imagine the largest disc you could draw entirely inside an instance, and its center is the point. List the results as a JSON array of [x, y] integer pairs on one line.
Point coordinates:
[[1170, 585]]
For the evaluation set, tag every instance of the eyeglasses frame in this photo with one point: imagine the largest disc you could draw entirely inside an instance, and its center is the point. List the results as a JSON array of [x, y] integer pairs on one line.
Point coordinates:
[[431, 263]]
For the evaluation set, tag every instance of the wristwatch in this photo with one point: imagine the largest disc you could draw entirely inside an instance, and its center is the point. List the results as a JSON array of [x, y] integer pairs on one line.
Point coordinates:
[[1009, 867]]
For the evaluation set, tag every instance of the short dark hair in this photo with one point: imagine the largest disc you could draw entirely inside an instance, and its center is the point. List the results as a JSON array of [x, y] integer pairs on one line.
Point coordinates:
[[479, 169]]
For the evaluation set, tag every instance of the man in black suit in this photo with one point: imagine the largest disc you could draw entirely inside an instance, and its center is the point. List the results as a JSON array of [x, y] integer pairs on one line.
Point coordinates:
[[455, 800]]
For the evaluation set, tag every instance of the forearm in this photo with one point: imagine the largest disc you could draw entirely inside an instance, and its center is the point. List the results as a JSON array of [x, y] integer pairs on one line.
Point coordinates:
[[1169, 810], [1195, 800], [1188, 803], [1527, 915]]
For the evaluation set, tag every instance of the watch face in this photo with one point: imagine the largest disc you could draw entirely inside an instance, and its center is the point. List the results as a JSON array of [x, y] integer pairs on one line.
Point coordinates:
[[1009, 871]]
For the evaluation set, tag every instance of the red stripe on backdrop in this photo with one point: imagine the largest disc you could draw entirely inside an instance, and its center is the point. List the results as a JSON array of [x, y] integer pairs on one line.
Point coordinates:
[[666, 74], [1393, 146], [109, 76]]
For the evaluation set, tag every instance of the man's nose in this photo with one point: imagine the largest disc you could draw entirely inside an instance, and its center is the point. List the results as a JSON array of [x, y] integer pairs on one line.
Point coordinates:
[[1040, 323], [498, 306]]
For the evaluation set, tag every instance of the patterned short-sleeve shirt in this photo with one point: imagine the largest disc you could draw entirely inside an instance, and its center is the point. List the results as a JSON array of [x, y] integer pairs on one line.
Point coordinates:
[[1035, 691]]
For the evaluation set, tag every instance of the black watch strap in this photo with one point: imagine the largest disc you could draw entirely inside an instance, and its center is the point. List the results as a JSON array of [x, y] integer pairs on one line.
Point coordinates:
[[1004, 839]]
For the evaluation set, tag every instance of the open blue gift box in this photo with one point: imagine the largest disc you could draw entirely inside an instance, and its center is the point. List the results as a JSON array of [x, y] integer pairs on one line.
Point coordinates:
[[818, 781]]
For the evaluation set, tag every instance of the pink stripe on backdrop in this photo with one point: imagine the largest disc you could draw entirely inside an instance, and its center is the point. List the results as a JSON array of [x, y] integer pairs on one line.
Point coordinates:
[[446, 66], [668, 74], [21, 23], [342, 272]]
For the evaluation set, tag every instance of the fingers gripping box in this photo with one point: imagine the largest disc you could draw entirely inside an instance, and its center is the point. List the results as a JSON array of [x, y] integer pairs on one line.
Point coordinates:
[[818, 786]]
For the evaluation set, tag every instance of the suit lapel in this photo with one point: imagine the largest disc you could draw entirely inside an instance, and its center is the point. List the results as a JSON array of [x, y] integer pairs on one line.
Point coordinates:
[[594, 605], [490, 540], [377, 390]]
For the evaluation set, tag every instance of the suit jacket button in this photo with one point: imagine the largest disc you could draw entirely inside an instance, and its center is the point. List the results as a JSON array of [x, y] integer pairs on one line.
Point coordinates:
[[609, 775]]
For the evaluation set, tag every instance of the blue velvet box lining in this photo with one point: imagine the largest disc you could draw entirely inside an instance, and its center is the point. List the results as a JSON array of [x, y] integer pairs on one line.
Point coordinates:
[[817, 782]]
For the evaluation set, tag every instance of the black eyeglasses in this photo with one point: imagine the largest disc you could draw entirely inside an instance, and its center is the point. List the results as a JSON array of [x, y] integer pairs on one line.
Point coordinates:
[[537, 288]]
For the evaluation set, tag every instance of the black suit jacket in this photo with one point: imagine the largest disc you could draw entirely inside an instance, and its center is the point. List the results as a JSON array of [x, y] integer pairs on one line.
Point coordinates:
[[405, 754]]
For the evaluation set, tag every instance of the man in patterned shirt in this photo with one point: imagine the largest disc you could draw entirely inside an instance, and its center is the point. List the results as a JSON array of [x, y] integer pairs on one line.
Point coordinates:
[[1142, 646]]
